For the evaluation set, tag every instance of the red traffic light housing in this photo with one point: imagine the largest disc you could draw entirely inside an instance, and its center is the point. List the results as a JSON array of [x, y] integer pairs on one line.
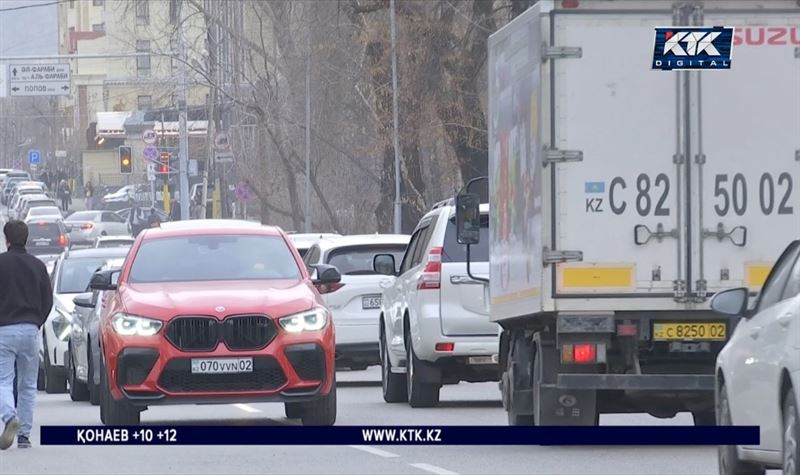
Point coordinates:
[[163, 163]]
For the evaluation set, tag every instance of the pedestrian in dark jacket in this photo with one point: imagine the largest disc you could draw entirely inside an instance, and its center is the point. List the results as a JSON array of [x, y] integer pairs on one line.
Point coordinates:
[[25, 302]]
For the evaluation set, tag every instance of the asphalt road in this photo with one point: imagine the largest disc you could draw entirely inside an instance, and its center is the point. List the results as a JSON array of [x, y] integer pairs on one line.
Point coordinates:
[[360, 403]]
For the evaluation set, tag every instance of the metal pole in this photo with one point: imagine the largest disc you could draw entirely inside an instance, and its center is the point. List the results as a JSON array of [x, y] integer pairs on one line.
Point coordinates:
[[212, 58], [183, 151], [308, 138], [398, 210]]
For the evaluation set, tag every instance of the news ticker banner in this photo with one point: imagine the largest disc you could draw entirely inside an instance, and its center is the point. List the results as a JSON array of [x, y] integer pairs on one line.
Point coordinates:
[[383, 435]]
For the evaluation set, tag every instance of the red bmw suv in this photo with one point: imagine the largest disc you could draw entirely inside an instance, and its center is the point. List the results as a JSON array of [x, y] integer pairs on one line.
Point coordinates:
[[215, 312]]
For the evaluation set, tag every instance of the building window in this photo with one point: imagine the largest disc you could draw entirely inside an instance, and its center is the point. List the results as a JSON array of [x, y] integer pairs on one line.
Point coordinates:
[[99, 27], [145, 103], [98, 3], [142, 12], [143, 62]]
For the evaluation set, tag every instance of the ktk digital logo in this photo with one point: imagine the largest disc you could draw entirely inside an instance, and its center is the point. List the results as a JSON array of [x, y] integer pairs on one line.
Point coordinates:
[[693, 48]]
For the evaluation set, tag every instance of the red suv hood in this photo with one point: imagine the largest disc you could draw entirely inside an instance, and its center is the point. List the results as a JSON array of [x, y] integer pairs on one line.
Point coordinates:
[[166, 300]]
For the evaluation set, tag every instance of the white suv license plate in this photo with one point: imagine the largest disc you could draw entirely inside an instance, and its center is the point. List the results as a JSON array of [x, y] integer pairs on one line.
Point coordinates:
[[481, 360], [222, 365], [371, 302]]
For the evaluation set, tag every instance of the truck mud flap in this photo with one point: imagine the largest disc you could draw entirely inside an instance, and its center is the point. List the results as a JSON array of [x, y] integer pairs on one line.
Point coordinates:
[[554, 405], [637, 382]]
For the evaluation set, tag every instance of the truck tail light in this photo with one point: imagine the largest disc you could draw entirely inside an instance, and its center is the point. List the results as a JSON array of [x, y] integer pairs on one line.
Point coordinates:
[[627, 329], [328, 288], [431, 277], [570, 3], [583, 353], [87, 226]]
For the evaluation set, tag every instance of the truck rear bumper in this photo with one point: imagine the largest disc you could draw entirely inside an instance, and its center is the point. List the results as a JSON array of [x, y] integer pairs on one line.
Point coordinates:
[[637, 382]]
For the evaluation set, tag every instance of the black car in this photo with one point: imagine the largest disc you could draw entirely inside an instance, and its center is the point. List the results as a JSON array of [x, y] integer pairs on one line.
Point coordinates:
[[47, 236]]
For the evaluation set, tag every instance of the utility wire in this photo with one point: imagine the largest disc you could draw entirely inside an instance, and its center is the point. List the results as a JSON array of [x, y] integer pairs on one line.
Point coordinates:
[[34, 5]]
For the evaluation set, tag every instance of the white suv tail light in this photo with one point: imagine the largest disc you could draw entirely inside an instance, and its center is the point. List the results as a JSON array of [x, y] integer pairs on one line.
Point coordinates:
[[431, 277]]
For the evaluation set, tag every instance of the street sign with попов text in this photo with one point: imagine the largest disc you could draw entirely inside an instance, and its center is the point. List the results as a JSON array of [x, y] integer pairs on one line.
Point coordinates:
[[39, 79]]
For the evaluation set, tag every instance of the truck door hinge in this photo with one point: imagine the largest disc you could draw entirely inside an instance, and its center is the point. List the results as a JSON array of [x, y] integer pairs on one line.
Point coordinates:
[[555, 257], [560, 52], [797, 52], [797, 155], [700, 159], [702, 290], [554, 155], [679, 289]]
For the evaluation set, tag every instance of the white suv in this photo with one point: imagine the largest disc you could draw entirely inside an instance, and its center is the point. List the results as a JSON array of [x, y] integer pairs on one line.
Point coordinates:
[[356, 300], [434, 326]]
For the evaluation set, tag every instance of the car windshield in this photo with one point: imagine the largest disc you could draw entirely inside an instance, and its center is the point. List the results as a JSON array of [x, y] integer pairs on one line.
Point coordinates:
[[357, 260], [76, 272], [44, 211], [213, 257], [83, 216]]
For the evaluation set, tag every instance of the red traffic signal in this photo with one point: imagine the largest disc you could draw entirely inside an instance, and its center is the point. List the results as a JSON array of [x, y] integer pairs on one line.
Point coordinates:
[[163, 161]]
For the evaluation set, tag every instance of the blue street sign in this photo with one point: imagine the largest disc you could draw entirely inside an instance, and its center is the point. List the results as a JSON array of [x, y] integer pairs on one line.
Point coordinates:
[[150, 153], [34, 157]]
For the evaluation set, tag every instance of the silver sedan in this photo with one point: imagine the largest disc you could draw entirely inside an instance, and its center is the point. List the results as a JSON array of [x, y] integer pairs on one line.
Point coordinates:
[[87, 226]]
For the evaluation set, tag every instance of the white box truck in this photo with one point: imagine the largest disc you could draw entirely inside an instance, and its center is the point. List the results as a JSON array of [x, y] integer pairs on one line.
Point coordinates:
[[623, 197]]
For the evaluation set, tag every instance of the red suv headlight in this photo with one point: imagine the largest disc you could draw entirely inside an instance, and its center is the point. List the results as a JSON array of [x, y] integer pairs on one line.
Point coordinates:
[[132, 325], [310, 320]]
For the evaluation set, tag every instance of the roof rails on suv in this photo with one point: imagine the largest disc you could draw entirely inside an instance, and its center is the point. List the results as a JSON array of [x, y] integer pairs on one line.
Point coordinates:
[[443, 203]]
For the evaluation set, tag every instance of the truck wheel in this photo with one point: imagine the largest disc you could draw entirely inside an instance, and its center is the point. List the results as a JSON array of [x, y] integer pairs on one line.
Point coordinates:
[[321, 412], [393, 385], [420, 394], [113, 412], [729, 462], [511, 380], [791, 434], [704, 418]]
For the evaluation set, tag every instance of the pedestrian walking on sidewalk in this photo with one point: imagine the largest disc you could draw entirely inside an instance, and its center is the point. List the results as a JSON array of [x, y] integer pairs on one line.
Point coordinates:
[[25, 301]]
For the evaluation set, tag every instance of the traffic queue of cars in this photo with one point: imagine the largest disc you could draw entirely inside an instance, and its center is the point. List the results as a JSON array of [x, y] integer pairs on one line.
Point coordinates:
[[220, 311]]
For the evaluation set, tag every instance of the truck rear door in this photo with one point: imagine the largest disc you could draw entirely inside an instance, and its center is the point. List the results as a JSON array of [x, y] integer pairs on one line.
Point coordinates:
[[624, 118], [745, 162]]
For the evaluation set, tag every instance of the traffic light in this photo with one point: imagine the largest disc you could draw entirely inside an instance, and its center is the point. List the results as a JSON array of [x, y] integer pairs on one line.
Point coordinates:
[[125, 160], [163, 163]]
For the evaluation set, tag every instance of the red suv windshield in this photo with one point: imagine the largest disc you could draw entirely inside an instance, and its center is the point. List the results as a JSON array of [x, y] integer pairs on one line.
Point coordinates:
[[213, 257]]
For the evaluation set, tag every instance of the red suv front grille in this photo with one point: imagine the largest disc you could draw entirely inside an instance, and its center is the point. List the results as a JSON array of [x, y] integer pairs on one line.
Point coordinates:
[[239, 333]]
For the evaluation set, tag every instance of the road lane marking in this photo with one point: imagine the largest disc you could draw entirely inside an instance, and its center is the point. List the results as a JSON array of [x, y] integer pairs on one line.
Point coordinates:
[[246, 408], [432, 469], [374, 451]]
